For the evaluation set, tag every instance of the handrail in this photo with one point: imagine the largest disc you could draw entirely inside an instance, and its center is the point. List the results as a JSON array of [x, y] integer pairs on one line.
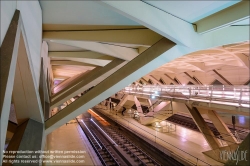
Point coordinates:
[[163, 141], [228, 95]]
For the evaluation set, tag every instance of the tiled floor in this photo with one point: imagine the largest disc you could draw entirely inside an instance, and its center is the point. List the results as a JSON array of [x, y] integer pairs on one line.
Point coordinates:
[[184, 142]]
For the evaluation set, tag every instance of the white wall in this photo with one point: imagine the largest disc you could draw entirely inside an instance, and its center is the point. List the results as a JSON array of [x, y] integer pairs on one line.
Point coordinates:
[[31, 15], [7, 11]]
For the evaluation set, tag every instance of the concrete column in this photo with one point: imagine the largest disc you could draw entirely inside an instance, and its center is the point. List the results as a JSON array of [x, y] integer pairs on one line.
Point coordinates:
[[8, 60], [28, 137], [138, 105], [41, 87], [203, 127], [46, 111], [221, 127]]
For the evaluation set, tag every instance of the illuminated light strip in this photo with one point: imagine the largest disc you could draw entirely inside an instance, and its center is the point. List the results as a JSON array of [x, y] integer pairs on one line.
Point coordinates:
[[91, 133], [97, 115], [104, 132]]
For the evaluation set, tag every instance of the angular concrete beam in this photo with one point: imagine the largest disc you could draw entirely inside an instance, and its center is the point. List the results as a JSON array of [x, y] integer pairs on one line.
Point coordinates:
[[107, 49], [183, 75], [155, 56], [144, 81], [73, 63], [172, 80], [217, 77], [83, 54], [190, 78], [154, 79], [225, 36], [91, 79], [74, 82], [69, 83], [223, 18], [221, 127], [163, 23], [143, 37], [222, 79], [203, 127], [26, 98], [8, 60]]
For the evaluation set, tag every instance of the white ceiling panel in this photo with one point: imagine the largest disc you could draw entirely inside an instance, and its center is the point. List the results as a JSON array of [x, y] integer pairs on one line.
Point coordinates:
[[81, 12]]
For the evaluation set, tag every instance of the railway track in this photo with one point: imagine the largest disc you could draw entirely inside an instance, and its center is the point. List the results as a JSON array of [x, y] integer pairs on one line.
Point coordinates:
[[101, 148], [133, 145], [112, 148], [188, 122]]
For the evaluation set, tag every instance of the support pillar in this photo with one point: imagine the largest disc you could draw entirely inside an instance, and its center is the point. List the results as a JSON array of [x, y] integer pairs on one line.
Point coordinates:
[[47, 110], [138, 105], [203, 127], [8, 60], [28, 137], [221, 127]]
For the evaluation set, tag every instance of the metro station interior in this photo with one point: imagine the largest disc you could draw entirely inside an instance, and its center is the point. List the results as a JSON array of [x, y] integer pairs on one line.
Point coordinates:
[[125, 83]]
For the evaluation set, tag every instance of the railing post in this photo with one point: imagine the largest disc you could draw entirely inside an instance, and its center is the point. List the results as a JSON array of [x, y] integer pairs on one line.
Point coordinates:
[[240, 99]]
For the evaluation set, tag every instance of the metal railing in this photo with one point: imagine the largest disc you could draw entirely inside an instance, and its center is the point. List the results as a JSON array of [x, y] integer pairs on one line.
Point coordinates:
[[221, 94]]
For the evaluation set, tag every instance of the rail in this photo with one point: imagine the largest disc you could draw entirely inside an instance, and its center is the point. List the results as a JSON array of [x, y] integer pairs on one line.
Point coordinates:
[[155, 140]]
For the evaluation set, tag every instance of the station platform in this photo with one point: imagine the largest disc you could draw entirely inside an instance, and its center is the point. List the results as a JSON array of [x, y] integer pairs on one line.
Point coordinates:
[[70, 137], [182, 143]]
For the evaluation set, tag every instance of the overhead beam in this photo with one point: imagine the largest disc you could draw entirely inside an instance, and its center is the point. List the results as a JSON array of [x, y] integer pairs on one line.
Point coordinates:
[[145, 81], [91, 79], [225, 36], [163, 23], [83, 54], [72, 63], [223, 18], [73, 83], [225, 81], [172, 80], [190, 78], [69, 82], [107, 49], [77, 27], [155, 56], [142, 37], [155, 79]]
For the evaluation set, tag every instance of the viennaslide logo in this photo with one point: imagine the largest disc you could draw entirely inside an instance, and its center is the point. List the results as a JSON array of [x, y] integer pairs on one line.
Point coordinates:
[[234, 155]]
